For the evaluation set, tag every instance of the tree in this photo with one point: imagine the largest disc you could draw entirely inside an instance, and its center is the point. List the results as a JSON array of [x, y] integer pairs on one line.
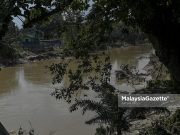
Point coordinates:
[[8, 48], [105, 102], [164, 126], [33, 10], [52, 28], [107, 111], [158, 18]]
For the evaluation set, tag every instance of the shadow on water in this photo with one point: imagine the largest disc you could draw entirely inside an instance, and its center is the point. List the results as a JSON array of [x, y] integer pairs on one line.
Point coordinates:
[[25, 95]]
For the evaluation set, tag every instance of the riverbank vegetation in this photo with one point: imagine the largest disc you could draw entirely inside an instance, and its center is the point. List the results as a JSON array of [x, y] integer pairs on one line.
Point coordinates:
[[65, 28], [88, 26]]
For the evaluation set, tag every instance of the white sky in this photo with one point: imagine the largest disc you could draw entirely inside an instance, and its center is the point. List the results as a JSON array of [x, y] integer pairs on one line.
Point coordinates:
[[18, 22]]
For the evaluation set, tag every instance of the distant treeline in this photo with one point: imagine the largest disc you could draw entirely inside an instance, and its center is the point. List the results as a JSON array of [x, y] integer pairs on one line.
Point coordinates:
[[125, 34]]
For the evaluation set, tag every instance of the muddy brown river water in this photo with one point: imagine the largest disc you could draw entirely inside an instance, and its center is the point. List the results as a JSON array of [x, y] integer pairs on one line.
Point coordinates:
[[25, 95]]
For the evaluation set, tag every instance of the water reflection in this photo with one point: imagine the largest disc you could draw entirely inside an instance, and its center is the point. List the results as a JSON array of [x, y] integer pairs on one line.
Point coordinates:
[[25, 89], [128, 55], [8, 79], [37, 73]]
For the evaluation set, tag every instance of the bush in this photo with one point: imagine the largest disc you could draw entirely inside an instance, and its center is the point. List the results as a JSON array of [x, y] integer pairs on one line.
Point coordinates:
[[165, 126], [8, 51]]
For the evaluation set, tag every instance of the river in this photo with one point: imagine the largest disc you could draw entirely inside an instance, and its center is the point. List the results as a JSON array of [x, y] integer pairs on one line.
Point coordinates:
[[25, 96]]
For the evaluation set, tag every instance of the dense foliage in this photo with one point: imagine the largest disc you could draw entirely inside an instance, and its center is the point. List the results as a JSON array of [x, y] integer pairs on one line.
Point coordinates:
[[159, 19], [164, 126]]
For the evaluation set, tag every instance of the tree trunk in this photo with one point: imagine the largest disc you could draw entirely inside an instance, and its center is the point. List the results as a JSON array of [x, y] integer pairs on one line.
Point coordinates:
[[163, 28], [166, 48], [171, 59], [3, 131], [119, 132]]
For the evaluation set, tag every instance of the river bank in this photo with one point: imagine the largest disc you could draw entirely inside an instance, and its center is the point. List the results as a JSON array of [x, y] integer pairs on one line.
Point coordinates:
[[25, 56], [28, 56]]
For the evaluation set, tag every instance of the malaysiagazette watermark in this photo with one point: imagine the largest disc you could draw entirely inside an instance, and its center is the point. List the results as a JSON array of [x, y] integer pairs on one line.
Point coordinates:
[[144, 98], [148, 100]]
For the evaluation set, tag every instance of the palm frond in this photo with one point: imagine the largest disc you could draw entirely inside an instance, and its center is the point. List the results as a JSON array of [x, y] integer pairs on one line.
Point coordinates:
[[96, 119], [87, 105]]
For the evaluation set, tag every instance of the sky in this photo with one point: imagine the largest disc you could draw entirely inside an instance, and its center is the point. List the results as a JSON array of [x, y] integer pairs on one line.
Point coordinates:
[[18, 22]]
